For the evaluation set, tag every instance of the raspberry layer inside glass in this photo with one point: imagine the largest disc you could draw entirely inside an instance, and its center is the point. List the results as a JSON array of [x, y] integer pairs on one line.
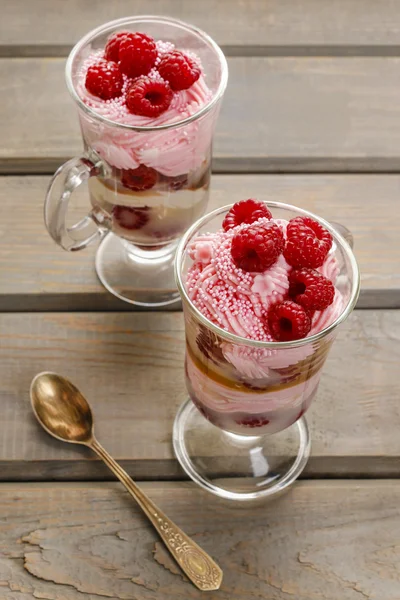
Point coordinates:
[[155, 183], [266, 279]]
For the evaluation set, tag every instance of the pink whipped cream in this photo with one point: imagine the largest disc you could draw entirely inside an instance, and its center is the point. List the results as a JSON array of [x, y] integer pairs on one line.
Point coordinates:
[[226, 405], [172, 152], [222, 398], [238, 301]]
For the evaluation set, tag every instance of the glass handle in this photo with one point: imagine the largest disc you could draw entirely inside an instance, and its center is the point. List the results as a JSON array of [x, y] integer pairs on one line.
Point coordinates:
[[344, 232], [65, 180]]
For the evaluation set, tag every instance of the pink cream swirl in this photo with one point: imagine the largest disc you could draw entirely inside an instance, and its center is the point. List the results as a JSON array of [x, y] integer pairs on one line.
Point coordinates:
[[172, 152], [323, 318], [259, 363], [330, 269]]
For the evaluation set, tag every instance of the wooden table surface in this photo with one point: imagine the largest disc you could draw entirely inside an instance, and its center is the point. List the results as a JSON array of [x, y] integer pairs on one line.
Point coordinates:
[[311, 117]]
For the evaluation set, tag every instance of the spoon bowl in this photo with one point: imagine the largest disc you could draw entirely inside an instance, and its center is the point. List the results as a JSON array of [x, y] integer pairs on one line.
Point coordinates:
[[61, 409]]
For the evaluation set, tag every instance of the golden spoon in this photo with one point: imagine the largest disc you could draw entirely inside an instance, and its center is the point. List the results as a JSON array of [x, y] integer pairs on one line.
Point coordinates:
[[65, 414]]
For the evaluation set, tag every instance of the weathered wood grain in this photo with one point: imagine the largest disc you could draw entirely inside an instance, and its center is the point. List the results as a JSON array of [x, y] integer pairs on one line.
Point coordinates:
[[37, 275], [322, 541], [255, 26], [279, 114], [130, 366]]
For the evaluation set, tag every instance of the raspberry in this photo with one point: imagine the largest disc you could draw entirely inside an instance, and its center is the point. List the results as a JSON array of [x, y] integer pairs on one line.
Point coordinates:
[[104, 80], [307, 244], [111, 51], [148, 97], [245, 211], [131, 218], [137, 54], [253, 422], [257, 247], [207, 343], [310, 289], [179, 70], [288, 321], [142, 178]]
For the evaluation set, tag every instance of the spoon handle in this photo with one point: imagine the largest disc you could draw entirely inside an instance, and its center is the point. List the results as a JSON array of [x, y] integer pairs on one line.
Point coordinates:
[[202, 571]]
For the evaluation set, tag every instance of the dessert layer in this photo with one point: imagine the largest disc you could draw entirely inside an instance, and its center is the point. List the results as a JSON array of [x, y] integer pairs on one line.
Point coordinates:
[[225, 399], [180, 199]]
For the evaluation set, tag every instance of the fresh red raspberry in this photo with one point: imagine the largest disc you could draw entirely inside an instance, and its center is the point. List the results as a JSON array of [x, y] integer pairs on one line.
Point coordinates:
[[140, 179], [288, 321], [104, 80], [245, 211], [148, 97], [111, 50], [310, 289], [257, 247], [253, 422], [307, 244], [179, 70], [131, 218], [137, 54]]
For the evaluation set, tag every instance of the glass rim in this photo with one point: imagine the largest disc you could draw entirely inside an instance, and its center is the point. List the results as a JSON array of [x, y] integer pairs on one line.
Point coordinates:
[[125, 21], [237, 339]]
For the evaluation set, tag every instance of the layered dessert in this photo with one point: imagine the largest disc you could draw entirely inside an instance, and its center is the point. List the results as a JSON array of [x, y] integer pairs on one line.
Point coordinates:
[[269, 280], [154, 181]]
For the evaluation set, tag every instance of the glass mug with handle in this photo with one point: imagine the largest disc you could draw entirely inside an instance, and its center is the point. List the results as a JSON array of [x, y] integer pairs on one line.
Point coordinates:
[[242, 434], [148, 178]]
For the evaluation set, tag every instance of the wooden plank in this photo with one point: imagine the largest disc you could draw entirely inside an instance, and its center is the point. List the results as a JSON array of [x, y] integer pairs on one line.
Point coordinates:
[[323, 540], [37, 275], [254, 26], [279, 114], [130, 367]]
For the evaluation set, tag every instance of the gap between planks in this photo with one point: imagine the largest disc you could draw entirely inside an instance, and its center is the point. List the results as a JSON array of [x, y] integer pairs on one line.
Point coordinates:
[[230, 50]]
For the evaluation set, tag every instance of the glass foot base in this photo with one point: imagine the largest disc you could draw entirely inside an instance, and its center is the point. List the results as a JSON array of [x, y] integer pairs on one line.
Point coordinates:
[[142, 277], [237, 467]]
